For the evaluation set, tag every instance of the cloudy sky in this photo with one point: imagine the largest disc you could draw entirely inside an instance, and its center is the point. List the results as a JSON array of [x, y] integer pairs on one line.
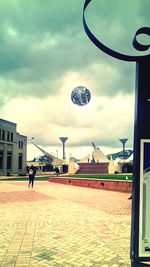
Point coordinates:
[[45, 53]]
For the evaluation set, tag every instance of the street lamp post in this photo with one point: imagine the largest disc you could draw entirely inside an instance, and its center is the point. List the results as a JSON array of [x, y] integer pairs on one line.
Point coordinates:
[[140, 228]]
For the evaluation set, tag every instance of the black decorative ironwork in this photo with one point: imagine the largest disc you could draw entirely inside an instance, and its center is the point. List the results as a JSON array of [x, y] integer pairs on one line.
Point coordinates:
[[109, 51], [141, 125]]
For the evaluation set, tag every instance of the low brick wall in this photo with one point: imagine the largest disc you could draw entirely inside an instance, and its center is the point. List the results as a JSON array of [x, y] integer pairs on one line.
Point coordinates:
[[121, 186]]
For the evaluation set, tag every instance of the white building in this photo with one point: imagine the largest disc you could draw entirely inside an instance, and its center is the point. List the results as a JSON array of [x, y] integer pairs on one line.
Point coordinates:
[[13, 149]]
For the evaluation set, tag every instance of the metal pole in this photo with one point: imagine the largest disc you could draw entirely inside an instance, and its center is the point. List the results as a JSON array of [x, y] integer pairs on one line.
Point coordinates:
[[63, 150], [141, 131]]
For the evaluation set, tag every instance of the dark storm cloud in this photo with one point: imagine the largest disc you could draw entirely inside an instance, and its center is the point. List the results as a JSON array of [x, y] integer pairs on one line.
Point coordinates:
[[42, 41]]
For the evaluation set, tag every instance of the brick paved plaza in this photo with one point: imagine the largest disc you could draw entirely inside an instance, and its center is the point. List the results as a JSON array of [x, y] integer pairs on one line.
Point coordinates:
[[63, 225]]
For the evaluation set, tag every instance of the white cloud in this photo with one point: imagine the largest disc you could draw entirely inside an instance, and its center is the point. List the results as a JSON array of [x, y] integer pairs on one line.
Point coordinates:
[[102, 121]]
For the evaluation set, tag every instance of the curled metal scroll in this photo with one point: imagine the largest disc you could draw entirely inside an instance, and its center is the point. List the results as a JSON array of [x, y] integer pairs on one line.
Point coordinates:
[[109, 51]]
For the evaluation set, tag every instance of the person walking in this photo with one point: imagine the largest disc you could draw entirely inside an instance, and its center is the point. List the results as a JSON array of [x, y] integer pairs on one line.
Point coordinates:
[[32, 172], [57, 171]]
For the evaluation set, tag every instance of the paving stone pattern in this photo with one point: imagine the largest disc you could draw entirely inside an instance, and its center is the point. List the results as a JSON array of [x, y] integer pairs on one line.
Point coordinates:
[[63, 226]]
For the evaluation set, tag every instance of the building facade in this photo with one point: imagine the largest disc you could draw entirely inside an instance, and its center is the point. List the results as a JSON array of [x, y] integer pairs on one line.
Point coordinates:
[[13, 149]]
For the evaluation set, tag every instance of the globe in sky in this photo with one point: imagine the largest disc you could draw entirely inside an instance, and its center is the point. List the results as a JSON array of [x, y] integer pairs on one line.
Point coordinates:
[[80, 96]]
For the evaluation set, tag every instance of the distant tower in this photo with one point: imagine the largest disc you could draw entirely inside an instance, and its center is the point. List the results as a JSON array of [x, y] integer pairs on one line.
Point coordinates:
[[123, 141], [63, 140]]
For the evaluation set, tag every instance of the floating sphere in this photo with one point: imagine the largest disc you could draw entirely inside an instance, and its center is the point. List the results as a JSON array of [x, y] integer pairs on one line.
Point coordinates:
[[80, 96]]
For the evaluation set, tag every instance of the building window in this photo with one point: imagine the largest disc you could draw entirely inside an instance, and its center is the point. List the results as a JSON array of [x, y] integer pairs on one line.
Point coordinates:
[[20, 161], [21, 144], [1, 160], [3, 135], [8, 136], [11, 137], [9, 160]]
